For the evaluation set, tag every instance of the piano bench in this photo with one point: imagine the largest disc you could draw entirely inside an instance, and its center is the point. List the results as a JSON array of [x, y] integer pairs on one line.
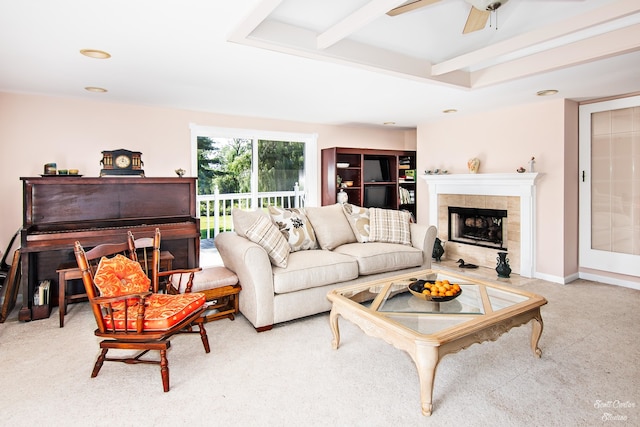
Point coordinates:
[[70, 271], [220, 288]]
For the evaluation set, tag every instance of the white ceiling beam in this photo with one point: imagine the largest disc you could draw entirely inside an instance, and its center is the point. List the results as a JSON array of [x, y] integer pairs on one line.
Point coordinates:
[[610, 12], [255, 18], [358, 19], [617, 42]]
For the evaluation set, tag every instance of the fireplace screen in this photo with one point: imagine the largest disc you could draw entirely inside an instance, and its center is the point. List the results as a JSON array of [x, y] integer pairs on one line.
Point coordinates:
[[479, 227]]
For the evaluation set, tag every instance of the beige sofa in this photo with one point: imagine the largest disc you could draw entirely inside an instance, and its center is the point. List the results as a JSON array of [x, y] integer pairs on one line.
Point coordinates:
[[324, 248]]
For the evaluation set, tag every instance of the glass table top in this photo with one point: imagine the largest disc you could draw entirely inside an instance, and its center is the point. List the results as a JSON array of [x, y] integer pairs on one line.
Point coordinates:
[[393, 300]]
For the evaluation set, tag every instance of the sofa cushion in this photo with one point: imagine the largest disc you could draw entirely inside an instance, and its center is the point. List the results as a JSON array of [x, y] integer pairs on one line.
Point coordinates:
[[377, 257], [310, 269], [358, 218], [267, 235], [389, 226], [295, 227], [330, 225], [242, 219]]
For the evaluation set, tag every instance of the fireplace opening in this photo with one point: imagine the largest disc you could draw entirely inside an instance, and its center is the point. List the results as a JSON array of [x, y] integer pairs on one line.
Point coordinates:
[[479, 227]]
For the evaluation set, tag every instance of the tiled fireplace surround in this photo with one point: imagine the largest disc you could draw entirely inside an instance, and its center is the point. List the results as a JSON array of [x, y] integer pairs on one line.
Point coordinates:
[[513, 192]]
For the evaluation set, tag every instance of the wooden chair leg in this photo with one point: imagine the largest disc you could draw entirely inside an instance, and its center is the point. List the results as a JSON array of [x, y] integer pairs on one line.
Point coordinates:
[[164, 370], [99, 362], [203, 335]]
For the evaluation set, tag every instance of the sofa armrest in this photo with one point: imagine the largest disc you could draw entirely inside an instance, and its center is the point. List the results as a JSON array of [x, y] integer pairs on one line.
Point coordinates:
[[250, 262], [424, 237]]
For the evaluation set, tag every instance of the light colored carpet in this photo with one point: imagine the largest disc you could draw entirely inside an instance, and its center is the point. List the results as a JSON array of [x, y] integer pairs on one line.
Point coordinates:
[[290, 376]]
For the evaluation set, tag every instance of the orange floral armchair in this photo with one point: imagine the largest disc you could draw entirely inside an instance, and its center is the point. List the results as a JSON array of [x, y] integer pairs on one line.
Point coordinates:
[[129, 312]]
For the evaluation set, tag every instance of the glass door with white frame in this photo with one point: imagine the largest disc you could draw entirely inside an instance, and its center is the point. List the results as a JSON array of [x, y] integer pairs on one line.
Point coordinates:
[[610, 186]]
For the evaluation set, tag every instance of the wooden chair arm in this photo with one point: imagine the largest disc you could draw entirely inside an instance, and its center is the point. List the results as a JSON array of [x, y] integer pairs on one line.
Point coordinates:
[[181, 272]]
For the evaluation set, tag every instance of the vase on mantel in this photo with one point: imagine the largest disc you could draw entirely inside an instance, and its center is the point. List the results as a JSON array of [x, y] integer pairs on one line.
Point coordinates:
[[503, 269], [473, 165]]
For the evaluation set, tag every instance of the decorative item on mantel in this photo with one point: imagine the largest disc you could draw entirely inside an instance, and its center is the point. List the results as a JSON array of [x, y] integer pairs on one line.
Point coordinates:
[[473, 165], [342, 197], [503, 269], [180, 172], [532, 163], [521, 170]]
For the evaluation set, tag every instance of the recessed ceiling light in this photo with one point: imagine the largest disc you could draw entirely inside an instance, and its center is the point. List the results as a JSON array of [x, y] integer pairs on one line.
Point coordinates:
[[546, 92], [389, 123], [450, 110], [95, 89], [94, 53]]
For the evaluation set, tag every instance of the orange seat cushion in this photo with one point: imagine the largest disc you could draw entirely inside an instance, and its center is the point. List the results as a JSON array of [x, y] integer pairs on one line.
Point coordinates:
[[162, 312]]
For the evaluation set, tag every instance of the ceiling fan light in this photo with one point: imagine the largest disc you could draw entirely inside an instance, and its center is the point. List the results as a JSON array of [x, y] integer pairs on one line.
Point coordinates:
[[489, 5], [450, 111]]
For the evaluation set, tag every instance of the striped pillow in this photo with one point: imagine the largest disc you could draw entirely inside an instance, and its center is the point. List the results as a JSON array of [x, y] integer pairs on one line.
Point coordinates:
[[267, 235], [389, 226]]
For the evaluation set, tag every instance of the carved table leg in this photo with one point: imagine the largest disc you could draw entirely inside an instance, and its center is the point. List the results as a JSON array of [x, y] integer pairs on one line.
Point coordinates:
[[333, 322], [426, 360], [536, 332]]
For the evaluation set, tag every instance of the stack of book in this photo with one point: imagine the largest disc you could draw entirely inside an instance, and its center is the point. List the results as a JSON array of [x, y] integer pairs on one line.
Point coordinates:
[[406, 196], [408, 176], [41, 296]]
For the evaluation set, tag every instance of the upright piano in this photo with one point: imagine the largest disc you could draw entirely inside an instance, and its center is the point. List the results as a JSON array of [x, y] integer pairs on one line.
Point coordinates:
[[59, 210]]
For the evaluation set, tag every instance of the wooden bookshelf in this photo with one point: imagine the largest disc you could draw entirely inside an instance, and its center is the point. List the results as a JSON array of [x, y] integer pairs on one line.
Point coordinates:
[[380, 178]]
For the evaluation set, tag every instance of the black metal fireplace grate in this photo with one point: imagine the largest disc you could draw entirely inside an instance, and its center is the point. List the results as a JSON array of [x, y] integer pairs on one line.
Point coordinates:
[[478, 227]]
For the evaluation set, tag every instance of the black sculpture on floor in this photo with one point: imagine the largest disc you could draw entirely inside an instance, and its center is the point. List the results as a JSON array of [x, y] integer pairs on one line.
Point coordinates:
[[438, 250]]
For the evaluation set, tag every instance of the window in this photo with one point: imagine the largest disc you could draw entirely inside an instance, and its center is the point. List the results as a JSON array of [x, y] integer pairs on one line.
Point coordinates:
[[251, 169]]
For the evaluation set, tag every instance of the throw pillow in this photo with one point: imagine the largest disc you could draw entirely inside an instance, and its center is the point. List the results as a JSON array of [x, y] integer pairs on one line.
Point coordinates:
[[358, 218], [331, 226], [242, 219], [295, 227], [267, 235], [120, 276], [389, 226]]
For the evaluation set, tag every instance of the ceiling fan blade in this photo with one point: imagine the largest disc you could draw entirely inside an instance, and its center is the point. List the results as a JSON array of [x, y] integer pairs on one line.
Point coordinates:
[[410, 6], [476, 20]]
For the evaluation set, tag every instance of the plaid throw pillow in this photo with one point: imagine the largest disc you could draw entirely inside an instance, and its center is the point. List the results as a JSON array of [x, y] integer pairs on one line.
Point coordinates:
[[389, 226], [267, 235]]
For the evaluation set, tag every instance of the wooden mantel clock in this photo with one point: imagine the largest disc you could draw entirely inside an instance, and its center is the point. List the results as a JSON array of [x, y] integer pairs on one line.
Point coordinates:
[[121, 162]]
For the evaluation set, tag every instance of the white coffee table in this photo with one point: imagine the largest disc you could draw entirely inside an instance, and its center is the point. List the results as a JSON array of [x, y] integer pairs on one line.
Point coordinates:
[[427, 330]]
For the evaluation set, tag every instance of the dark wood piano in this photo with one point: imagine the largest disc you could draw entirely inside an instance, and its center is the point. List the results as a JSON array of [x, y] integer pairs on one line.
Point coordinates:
[[59, 210]]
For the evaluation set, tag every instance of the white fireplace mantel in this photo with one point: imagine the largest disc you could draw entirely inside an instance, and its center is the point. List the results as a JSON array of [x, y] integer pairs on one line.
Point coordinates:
[[494, 184]]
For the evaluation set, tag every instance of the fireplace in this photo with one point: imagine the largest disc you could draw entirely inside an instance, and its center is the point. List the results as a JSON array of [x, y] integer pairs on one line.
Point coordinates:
[[513, 192], [479, 227]]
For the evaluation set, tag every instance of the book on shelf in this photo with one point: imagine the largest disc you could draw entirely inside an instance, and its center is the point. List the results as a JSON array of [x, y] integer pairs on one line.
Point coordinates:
[[406, 196]]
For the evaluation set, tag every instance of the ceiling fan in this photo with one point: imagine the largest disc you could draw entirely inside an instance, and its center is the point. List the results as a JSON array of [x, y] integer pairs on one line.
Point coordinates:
[[478, 15]]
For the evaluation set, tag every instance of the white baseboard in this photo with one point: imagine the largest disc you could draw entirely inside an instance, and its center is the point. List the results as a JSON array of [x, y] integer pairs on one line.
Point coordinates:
[[555, 279], [609, 280]]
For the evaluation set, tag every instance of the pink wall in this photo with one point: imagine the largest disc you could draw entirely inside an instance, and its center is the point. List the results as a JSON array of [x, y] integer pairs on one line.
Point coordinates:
[[35, 130], [503, 140]]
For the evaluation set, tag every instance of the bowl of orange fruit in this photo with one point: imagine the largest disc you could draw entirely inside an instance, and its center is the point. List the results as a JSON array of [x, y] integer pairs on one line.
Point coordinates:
[[435, 290]]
